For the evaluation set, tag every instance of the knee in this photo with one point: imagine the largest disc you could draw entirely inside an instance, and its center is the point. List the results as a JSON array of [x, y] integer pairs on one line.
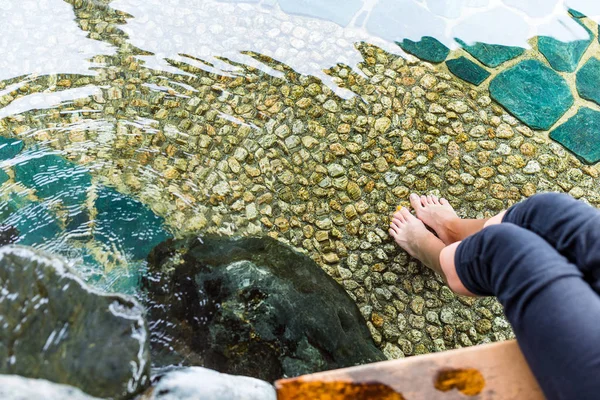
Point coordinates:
[[502, 236], [548, 199]]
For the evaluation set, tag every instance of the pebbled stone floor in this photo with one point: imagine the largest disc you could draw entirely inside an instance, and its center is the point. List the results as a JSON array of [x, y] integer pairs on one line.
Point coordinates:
[[253, 154]]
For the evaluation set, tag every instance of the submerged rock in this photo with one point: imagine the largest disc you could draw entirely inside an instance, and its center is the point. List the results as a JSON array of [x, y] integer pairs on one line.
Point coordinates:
[[14, 387], [251, 306], [201, 383], [56, 328]]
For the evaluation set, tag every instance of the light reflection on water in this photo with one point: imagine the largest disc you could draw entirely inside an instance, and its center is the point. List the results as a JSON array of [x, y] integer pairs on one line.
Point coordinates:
[[49, 64]]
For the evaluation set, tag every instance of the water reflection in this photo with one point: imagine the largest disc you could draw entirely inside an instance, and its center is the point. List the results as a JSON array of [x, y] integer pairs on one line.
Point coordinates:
[[41, 37], [237, 118]]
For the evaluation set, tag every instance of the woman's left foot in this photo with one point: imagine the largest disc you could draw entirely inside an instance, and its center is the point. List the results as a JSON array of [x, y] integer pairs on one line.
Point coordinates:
[[411, 234]]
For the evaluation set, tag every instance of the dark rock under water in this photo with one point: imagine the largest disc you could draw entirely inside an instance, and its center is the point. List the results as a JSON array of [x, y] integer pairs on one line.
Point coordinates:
[[57, 328], [250, 306]]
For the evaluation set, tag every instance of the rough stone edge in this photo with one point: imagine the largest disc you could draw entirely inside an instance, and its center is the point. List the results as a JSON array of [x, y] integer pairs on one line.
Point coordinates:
[[214, 386], [62, 268], [16, 387]]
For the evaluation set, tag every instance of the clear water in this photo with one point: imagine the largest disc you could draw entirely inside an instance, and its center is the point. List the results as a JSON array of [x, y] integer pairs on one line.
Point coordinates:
[[125, 127]]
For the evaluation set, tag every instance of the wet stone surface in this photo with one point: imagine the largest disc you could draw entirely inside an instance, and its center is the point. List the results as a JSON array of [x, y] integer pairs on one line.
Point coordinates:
[[588, 80], [14, 387], [251, 307], [467, 70], [57, 328], [127, 224], [195, 383], [533, 93], [254, 154], [428, 49], [491, 55], [581, 135], [563, 56]]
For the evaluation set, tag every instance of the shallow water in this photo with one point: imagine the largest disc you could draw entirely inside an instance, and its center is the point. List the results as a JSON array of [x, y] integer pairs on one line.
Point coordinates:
[[131, 121]]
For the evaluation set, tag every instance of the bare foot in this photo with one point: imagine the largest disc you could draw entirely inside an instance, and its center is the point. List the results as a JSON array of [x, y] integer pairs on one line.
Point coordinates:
[[437, 214], [411, 234]]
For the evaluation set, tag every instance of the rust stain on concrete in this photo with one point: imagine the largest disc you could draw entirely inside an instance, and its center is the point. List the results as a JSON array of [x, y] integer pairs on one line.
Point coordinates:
[[335, 390], [468, 381]]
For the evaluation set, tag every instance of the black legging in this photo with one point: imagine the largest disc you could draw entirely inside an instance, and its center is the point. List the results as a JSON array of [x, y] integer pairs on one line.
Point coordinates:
[[543, 264]]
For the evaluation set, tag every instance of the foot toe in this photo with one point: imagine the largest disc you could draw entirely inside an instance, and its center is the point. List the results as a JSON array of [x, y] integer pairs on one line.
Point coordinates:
[[406, 214], [398, 215], [435, 200], [424, 200], [415, 201], [444, 202], [395, 223]]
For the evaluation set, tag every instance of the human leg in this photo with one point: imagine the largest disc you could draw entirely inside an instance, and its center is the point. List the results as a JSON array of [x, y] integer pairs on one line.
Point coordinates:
[[552, 310], [570, 226]]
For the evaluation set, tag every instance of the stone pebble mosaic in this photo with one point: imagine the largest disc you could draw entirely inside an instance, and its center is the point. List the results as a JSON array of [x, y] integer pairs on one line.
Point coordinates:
[[253, 154]]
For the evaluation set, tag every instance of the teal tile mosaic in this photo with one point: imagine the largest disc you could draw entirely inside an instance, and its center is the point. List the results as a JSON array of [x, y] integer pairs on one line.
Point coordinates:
[[581, 135], [53, 176], [533, 93], [9, 148], [3, 176], [125, 223], [428, 49], [588, 80], [491, 55], [563, 56], [36, 223], [467, 70], [576, 13]]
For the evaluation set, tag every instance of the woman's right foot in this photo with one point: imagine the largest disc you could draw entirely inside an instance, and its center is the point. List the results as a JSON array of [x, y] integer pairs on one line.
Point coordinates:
[[436, 213]]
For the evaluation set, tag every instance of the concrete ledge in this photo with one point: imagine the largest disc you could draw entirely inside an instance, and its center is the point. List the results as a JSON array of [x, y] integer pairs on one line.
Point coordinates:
[[492, 371]]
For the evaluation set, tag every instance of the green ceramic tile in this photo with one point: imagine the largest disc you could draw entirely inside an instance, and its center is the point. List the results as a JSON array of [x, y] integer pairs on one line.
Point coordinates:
[[127, 224], [54, 177], [428, 49], [588, 80], [533, 93], [581, 135], [9, 148], [563, 56], [467, 70], [491, 55]]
